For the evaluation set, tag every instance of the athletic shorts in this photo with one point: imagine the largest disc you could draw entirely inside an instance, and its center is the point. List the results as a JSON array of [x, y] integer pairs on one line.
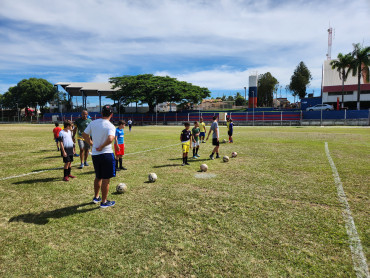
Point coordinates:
[[69, 157], [202, 134], [121, 150], [186, 147], [195, 144], [215, 142], [83, 145], [104, 165], [230, 133], [57, 140]]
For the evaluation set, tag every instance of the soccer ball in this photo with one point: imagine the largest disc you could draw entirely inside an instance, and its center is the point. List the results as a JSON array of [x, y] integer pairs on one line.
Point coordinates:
[[121, 188], [224, 141], [226, 158], [234, 154], [204, 167], [152, 177]]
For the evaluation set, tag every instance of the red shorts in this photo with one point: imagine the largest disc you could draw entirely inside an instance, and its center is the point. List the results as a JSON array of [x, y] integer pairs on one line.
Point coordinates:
[[121, 150]]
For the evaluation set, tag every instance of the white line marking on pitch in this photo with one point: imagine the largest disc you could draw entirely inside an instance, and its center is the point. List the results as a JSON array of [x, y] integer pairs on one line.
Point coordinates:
[[58, 168], [358, 257]]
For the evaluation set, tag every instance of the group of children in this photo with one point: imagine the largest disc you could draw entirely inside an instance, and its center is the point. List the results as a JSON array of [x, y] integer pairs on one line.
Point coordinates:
[[65, 144], [197, 134]]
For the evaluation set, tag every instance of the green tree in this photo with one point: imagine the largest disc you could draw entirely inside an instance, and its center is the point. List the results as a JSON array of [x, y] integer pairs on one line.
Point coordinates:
[[266, 88], [30, 92], [150, 89], [300, 80], [343, 66], [240, 100], [360, 67]]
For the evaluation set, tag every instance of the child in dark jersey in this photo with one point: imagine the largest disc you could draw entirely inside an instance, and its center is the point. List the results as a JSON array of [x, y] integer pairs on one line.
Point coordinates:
[[185, 139]]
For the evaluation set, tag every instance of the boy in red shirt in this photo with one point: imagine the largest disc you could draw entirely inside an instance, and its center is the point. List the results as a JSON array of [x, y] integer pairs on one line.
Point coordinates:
[[56, 131]]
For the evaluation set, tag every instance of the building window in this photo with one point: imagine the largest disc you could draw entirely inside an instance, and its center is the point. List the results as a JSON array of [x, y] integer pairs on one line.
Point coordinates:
[[340, 93]]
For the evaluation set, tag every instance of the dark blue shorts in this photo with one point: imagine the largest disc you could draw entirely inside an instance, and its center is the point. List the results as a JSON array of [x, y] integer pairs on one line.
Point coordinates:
[[202, 134], [104, 165]]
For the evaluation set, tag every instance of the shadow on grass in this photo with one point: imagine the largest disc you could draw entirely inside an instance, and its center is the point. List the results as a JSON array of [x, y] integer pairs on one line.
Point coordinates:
[[50, 157], [166, 165], [38, 180], [84, 173], [42, 218], [44, 151], [48, 169]]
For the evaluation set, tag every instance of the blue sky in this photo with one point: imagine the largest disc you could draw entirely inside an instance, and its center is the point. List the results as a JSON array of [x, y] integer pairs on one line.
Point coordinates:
[[215, 44]]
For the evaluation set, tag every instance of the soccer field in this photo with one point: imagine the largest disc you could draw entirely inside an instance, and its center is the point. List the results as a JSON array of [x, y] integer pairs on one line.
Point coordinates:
[[273, 211]]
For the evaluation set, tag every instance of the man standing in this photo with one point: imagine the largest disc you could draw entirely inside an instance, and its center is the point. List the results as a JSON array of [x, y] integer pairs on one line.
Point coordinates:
[[215, 137], [81, 124], [203, 130], [102, 131], [129, 122]]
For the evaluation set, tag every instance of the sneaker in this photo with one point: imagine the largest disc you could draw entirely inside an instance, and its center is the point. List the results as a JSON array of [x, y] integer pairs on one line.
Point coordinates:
[[183, 164], [203, 141], [107, 204], [96, 200], [72, 177], [217, 156], [211, 157], [194, 157], [197, 155], [86, 164], [187, 163], [65, 178], [81, 165], [76, 155], [122, 168]]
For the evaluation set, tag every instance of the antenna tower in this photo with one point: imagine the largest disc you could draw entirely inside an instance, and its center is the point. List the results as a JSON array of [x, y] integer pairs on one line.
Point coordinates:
[[330, 39]]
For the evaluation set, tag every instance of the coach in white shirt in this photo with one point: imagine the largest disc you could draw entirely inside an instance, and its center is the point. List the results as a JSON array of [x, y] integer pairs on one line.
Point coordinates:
[[102, 132]]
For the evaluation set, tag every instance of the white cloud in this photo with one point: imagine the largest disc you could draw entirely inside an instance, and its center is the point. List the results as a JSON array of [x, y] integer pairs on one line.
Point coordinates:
[[146, 36]]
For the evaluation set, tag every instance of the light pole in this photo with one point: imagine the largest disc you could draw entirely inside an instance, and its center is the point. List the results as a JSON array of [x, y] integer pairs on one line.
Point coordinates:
[[119, 108], [245, 93], [17, 111], [37, 116]]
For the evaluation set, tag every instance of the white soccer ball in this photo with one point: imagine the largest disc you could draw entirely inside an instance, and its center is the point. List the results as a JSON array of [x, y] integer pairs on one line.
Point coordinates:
[[234, 154], [224, 141], [152, 177], [121, 188], [204, 167], [226, 158]]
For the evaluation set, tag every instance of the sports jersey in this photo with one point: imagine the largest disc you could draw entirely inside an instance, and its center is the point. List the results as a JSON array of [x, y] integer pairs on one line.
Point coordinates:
[[228, 125], [65, 136], [81, 126], [214, 127], [120, 133], [231, 126], [185, 135], [99, 130], [129, 122], [202, 127], [56, 131], [195, 130]]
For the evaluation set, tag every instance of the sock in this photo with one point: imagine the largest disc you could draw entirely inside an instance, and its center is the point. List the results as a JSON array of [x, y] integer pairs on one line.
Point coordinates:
[[116, 163], [212, 154], [183, 159], [193, 151], [196, 151], [120, 162], [186, 159], [65, 172], [217, 154], [69, 171]]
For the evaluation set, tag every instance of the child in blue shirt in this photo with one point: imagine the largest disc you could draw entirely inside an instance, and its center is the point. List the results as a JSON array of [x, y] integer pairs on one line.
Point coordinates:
[[119, 145]]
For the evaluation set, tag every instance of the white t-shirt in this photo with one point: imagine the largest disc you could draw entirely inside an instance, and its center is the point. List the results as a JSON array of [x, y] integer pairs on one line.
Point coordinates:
[[99, 130], [66, 137]]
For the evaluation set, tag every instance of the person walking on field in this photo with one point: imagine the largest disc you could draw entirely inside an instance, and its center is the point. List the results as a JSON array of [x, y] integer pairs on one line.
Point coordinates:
[[80, 125], [56, 131], [103, 132], [129, 122], [215, 137], [67, 149], [203, 130]]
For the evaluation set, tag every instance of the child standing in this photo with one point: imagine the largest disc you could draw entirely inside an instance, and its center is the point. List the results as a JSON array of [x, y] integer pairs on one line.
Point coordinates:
[[230, 131], [195, 132], [203, 130], [185, 138], [67, 149], [56, 131], [119, 145], [215, 137], [129, 124]]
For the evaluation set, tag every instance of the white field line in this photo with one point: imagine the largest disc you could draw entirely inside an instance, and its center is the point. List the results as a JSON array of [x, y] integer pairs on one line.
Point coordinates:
[[358, 257], [58, 168]]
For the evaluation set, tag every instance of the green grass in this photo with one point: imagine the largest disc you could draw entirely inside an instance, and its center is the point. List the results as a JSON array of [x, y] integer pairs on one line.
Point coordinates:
[[271, 212]]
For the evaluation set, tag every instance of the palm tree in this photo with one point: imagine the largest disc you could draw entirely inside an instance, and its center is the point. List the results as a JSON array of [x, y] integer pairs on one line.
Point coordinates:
[[343, 66], [360, 66]]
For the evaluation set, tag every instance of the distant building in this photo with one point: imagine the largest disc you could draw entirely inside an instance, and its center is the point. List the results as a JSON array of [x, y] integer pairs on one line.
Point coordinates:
[[166, 107], [332, 88], [214, 103]]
